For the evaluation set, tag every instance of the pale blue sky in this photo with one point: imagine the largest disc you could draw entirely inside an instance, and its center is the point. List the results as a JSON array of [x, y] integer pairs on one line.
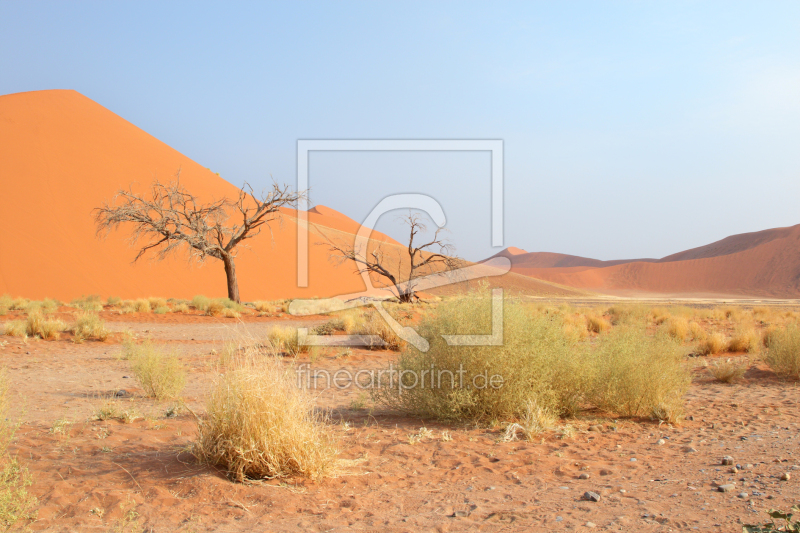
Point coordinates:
[[631, 129]]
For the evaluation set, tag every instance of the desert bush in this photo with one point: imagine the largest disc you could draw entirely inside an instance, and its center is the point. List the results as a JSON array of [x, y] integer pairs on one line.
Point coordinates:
[[88, 303], [200, 302], [46, 306], [315, 306], [374, 324], [636, 374], [113, 301], [6, 302], [272, 306], [180, 308], [230, 313], [15, 328], [713, 344], [127, 307], [16, 504], [163, 310], [696, 331], [155, 303], [88, 325], [783, 352], [534, 421], [627, 313], [744, 340], [728, 370], [19, 304], [597, 324], [536, 363], [284, 340], [159, 372], [353, 321], [49, 329], [660, 315], [259, 425], [677, 328], [574, 326], [142, 305]]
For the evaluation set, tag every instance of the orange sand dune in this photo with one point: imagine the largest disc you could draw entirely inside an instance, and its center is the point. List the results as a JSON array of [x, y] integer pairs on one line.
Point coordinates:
[[764, 263], [62, 155], [522, 259]]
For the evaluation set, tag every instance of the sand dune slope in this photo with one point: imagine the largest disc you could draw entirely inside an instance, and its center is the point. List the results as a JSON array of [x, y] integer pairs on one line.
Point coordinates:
[[62, 154], [764, 263]]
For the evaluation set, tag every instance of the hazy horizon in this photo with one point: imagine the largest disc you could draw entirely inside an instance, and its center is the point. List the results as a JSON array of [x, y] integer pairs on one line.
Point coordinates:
[[630, 130]]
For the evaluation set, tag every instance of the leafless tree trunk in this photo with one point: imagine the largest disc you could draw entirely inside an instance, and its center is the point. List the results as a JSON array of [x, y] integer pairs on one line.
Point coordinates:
[[171, 218], [422, 259]]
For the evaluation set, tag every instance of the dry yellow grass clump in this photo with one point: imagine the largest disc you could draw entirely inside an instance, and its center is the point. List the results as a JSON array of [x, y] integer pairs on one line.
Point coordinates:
[[35, 325], [729, 370], [159, 372], [88, 325], [678, 328], [259, 425], [597, 324], [744, 340], [713, 344], [783, 351], [284, 340]]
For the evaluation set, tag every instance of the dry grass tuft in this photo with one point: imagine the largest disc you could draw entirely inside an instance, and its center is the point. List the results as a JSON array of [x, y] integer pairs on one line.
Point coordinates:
[[744, 340], [534, 421], [783, 352], [15, 328], [696, 331], [713, 344], [729, 370], [142, 306], [677, 328], [16, 504], [155, 303], [597, 324], [88, 325], [283, 340], [180, 308], [88, 303], [635, 374], [159, 372], [259, 425]]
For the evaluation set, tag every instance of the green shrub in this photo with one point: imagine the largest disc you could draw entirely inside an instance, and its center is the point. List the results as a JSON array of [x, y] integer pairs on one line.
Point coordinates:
[[537, 363], [635, 374]]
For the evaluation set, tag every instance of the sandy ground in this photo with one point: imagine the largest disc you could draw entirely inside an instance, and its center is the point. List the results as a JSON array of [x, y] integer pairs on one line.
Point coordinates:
[[457, 478]]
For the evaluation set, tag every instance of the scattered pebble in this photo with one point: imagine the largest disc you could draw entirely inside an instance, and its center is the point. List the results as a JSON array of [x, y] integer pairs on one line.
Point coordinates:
[[591, 524], [726, 488], [742, 495], [583, 476], [591, 496], [596, 427], [690, 449], [661, 442], [786, 476], [727, 460]]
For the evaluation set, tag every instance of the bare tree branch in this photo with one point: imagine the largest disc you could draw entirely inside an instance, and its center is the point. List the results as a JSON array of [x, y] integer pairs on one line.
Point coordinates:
[[169, 218]]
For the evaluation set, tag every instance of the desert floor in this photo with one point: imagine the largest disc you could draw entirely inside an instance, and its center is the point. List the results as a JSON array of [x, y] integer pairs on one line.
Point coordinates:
[[106, 475]]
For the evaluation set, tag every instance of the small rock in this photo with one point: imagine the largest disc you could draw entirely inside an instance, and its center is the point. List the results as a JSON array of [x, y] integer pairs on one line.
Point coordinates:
[[661, 442], [742, 495], [591, 524], [559, 518], [727, 460], [690, 449], [633, 459], [125, 377], [690, 418], [605, 472], [583, 476], [748, 466], [733, 470], [596, 427], [786, 476], [460, 514], [121, 393], [726, 488], [591, 496]]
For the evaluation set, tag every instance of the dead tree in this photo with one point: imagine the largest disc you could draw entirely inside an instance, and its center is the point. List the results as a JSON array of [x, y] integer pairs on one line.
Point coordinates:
[[170, 218], [433, 256]]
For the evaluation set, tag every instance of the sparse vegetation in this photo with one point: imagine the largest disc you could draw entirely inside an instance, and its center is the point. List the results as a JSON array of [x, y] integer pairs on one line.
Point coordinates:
[[159, 372], [713, 344], [597, 324], [88, 325], [728, 370], [16, 504], [783, 351], [259, 425]]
